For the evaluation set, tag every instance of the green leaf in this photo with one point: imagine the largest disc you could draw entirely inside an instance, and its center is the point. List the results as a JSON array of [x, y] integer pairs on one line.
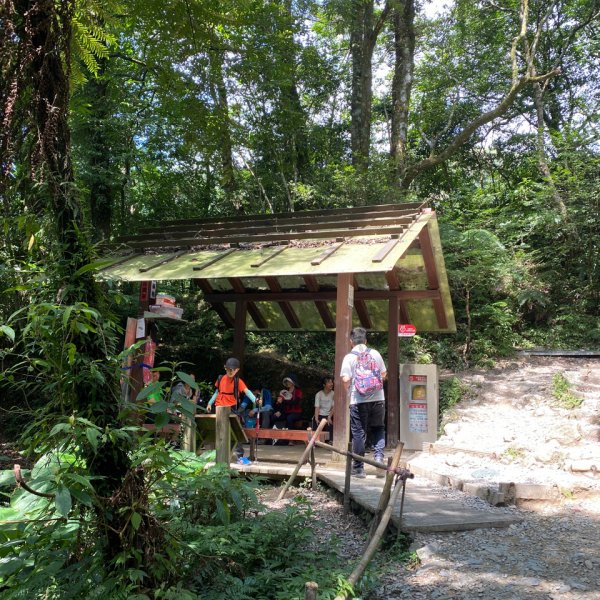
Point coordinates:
[[10, 565], [93, 266], [155, 386], [188, 379], [82, 496], [60, 427], [62, 500], [136, 520], [92, 435], [9, 332], [159, 407]]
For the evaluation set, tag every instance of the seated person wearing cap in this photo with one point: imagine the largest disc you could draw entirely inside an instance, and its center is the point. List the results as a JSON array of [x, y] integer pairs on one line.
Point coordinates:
[[293, 405]]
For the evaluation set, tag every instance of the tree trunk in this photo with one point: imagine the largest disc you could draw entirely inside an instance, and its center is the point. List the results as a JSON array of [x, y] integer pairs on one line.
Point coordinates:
[[404, 46], [99, 175], [362, 43], [219, 92], [543, 167]]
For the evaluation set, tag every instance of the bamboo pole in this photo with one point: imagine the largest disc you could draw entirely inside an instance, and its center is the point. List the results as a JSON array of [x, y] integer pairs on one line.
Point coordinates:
[[303, 458], [385, 494], [368, 554]]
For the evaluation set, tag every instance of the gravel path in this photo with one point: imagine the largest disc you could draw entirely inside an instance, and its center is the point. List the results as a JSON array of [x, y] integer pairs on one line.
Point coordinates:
[[554, 553]]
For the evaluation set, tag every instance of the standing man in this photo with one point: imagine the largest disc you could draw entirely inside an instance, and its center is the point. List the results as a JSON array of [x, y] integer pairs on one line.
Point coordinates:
[[363, 372]]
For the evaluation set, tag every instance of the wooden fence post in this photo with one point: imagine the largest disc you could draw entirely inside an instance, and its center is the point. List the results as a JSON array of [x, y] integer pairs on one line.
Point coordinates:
[[223, 435]]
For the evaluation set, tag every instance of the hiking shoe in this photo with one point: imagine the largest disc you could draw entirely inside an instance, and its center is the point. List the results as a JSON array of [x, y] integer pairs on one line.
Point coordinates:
[[243, 461], [358, 473]]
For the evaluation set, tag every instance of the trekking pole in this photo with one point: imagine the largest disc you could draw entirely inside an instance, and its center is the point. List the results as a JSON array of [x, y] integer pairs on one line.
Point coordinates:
[[257, 429]]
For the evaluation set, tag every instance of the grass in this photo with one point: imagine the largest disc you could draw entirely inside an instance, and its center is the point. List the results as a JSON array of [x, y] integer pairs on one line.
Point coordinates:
[[561, 390]]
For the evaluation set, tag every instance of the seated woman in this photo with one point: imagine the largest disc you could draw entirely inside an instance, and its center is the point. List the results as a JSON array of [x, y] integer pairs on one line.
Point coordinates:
[[293, 406]]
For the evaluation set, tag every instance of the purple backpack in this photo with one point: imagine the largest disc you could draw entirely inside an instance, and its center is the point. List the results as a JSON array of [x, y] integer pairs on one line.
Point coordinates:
[[367, 376]]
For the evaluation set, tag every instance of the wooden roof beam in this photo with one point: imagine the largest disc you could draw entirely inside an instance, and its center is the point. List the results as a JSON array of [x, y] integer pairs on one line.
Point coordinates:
[[322, 295], [286, 307], [393, 281], [433, 282], [240, 290], [218, 307], [312, 285], [361, 308]]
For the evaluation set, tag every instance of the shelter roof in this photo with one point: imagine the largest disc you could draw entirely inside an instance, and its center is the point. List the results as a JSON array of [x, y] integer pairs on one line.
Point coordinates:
[[285, 265]]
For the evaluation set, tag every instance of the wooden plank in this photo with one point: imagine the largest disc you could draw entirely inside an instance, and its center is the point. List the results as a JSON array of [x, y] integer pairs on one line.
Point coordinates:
[[288, 225], [122, 260], [283, 434], [377, 209], [270, 236], [325, 255], [276, 252], [313, 286], [385, 250], [212, 261], [164, 261]]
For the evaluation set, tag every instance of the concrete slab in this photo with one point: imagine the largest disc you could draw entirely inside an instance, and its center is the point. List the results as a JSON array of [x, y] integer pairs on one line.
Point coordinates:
[[424, 509]]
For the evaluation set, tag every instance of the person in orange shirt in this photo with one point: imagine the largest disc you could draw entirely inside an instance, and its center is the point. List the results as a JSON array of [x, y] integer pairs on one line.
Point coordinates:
[[229, 387]]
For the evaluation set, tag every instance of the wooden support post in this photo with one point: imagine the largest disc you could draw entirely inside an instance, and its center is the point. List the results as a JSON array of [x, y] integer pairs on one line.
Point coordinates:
[[343, 326], [189, 433], [223, 435], [239, 332], [310, 590], [393, 384]]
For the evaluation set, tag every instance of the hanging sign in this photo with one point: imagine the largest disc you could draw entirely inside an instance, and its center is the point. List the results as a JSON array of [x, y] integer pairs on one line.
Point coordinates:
[[406, 330]]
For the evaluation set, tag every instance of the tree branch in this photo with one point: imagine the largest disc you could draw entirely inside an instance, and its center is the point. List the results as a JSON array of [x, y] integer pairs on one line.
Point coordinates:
[[435, 159], [21, 483]]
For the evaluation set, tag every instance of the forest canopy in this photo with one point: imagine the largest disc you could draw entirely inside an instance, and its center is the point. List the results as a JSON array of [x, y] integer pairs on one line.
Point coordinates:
[[120, 115]]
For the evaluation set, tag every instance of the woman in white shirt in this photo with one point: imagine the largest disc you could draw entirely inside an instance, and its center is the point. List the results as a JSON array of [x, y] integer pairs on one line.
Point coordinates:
[[324, 405]]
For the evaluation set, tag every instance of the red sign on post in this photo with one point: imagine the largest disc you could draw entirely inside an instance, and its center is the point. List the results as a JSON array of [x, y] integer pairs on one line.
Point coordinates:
[[406, 330]]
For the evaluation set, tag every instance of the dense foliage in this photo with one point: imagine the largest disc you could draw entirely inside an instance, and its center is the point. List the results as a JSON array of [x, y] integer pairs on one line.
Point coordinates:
[[120, 115]]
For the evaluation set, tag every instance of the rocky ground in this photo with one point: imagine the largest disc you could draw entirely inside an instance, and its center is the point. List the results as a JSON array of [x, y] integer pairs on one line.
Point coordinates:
[[511, 417]]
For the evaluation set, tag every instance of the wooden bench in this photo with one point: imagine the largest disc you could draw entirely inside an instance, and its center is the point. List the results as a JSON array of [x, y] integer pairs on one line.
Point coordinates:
[[301, 435]]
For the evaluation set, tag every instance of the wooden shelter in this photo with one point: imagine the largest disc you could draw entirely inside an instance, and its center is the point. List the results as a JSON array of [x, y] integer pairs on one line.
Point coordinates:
[[332, 269]]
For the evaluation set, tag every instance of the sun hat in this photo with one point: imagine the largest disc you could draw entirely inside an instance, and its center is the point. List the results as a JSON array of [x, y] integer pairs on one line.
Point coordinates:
[[292, 379]]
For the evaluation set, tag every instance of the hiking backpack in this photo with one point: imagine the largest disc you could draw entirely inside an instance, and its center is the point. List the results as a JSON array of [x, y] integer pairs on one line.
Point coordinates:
[[236, 394], [367, 376]]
